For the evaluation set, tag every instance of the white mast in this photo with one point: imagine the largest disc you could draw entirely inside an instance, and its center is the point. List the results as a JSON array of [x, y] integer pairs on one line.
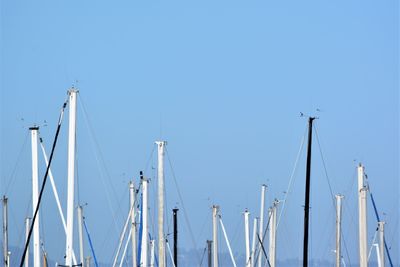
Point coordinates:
[[145, 234], [381, 226], [161, 239], [378, 256], [80, 231], [35, 196], [27, 226], [272, 234], [247, 236], [338, 228], [215, 209], [260, 231], [253, 245], [71, 171], [133, 223], [362, 217], [5, 232]]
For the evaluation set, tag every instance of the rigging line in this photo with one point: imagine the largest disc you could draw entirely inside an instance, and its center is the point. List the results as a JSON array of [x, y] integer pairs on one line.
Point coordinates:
[[346, 207], [183, 205], [324, 165], [44, 182], [291, 179], [263, 250], [149, 159], [202, 257], [22, 233], [13, 173], [99, 157], [378, 219], [90, 243], [263, 238], [327, 179]]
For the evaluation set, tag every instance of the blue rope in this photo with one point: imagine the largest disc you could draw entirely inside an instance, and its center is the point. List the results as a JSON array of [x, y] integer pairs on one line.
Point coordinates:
[[91, 244], [377, 217]]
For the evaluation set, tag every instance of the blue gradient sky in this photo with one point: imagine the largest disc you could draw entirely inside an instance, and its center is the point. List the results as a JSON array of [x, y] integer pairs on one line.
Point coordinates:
[[223, 82]]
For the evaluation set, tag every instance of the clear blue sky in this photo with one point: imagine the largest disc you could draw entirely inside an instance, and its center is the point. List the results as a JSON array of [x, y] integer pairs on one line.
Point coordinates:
[[223, 82]]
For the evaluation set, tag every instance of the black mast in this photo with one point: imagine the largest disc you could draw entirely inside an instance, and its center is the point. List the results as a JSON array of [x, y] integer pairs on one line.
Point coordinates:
[[175, 213], [307, 194], [209, 243]]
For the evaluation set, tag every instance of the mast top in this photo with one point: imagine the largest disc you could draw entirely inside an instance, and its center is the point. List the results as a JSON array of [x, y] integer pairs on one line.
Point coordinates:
[[72, 90], [33, 128]]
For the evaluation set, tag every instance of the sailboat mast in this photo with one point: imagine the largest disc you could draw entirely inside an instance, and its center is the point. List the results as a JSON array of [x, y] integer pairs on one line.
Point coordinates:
[[5, 232], [362, 217], [215, 209], [272, 234], [133, 223], [80, 232], [161, 239], [307, 193], [261, 226], [71, 172], [145, 233], [338, 228], [381, 227], [27, 227], [35, 195], [247, 236], [175, 214], [209, 258]]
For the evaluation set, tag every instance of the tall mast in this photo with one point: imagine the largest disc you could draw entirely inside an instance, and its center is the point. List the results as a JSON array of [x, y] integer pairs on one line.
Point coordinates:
[[338, 229], [307, 194], [5, 232], [145, 234], [215, 209], [362, 217], [27, 226], [71, 173], [247, 236], [209, 254], [272, 234], [161, 239], [175, 215], [133, 223], [35, 196], [381, 227], [80, 231], [253, 244], [261, 226]]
